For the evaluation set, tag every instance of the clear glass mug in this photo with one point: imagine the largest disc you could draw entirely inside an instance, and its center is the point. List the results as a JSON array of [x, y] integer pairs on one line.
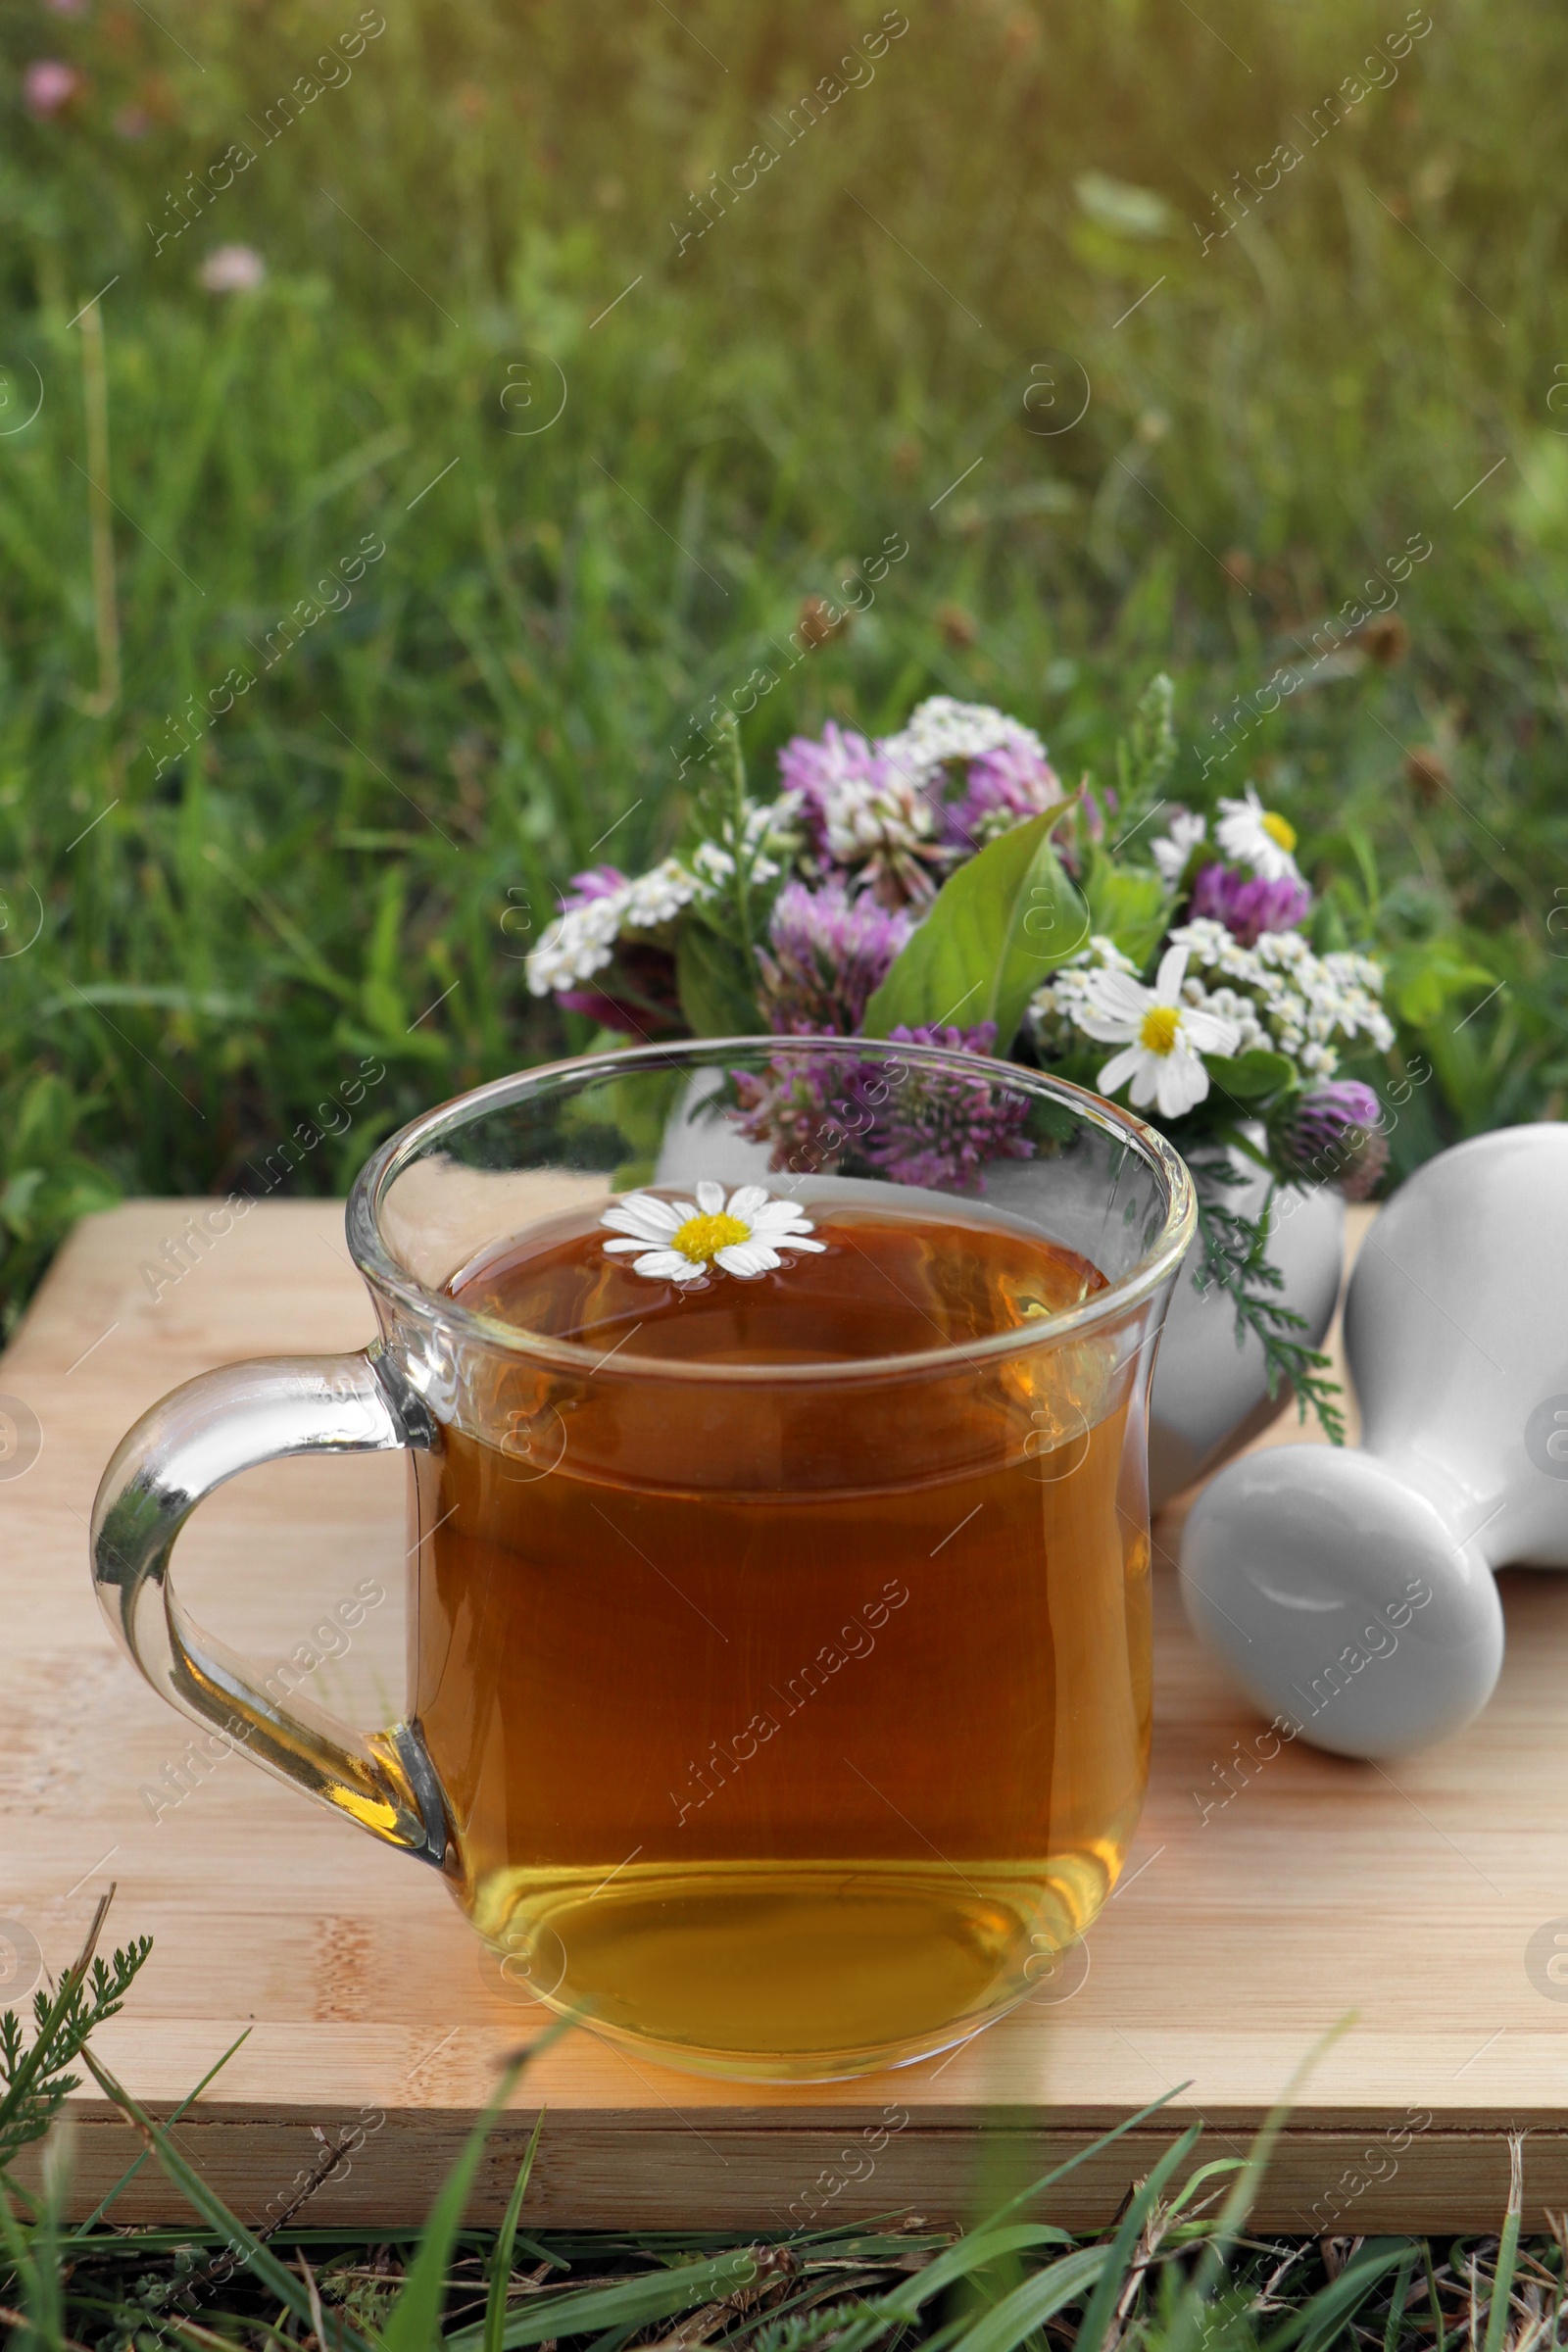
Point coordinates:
[[779, 1701]]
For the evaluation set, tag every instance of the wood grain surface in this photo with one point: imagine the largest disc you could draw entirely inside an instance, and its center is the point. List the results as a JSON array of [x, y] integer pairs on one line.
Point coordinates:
[[1270, 1895]]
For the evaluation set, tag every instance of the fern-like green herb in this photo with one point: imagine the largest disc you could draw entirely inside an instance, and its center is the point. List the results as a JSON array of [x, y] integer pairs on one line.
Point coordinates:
[[36, 2071], [1234, 1257]]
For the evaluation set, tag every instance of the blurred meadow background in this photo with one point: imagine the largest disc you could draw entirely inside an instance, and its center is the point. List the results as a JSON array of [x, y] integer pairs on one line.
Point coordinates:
[[485, 287]]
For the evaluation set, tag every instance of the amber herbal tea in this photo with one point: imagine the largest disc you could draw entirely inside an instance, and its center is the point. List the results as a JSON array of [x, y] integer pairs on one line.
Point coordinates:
[[786, 1667]]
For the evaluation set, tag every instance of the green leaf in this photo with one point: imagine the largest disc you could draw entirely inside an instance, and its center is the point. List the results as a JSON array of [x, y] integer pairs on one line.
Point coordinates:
[[1422, 980], [1249, 1076], [716, 994], [997, 929], [1128, 904]]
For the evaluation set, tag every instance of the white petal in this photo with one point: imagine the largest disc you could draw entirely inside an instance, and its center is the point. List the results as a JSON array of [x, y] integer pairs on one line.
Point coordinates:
[[1170, 975], [667, 1265], [641, 1212], [796, 1241], [1119, 1069], [774, 1217], [1183, 1083], [1209, 1032], [747, 1259], [640, 1229], [747, 1199], [710, 1197], [1108, 1029], [638, 1241], [1118, 996], [681, 1212], [1146, 1079]]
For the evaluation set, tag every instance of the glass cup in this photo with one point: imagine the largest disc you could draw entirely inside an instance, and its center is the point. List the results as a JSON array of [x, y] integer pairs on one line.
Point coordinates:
[[779, 1670]]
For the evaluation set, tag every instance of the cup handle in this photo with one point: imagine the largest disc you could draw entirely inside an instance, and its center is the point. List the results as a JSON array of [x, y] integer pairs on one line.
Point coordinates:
[[233, 1419]]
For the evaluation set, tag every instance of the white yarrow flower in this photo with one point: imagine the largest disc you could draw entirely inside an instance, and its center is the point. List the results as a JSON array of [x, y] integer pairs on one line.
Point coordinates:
[[862, 817], [1285, 996], [678, 1240], [942, 728], [1165, 1037], [1171, 852], [582, 941], [657, 897], [577, 944], [1258, 837]]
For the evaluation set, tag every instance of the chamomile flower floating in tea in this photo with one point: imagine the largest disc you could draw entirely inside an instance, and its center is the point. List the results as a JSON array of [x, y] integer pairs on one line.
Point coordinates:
[[681, 1239], [1164, 1037]]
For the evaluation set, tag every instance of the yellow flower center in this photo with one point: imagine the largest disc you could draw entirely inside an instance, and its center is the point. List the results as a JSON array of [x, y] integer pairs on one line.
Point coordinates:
[[1279, 828], [1158, 1029], [703, 1238]]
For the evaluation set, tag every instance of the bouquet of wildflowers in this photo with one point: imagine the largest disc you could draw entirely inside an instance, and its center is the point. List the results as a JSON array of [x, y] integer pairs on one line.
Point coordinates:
[[942, 886]]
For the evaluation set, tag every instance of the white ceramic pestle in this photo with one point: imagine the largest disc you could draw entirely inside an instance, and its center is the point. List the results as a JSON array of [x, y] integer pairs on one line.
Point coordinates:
[[1352, 1592]]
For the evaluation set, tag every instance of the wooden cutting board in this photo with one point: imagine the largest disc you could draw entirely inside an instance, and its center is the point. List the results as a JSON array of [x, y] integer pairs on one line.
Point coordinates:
[[1268, 1894]]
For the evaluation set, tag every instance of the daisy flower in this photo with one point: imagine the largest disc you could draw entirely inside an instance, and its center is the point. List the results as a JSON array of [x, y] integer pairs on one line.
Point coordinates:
[[1257, 837], [1171, 852], [1166, 1038], [681, 1239]]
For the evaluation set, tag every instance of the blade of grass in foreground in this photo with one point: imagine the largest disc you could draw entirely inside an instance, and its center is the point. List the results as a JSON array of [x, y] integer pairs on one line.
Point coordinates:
[[495, 2312], [273, 2274], [590, 2310], [1315, 2324], [994, 2239], [414, 2320], [1102, 2302], [1188, 2321], [132, 2170], [1507, 2246], [1037, 2300], [413, 2323]]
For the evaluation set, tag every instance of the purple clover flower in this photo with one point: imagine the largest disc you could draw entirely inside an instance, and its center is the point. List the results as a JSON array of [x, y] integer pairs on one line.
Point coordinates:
[[819, 771], [598, 882], [827, 954], [1334, 1134], [930, 1129], [940, 1130], [1011, 783], [1246, 904]]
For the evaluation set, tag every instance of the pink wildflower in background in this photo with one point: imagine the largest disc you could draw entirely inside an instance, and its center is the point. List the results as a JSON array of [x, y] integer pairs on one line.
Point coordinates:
[[232, 269], [49, 85]]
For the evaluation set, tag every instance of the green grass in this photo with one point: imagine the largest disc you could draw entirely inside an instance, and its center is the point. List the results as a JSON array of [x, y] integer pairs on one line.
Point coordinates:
[[352, 860], [1182, 2268]]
